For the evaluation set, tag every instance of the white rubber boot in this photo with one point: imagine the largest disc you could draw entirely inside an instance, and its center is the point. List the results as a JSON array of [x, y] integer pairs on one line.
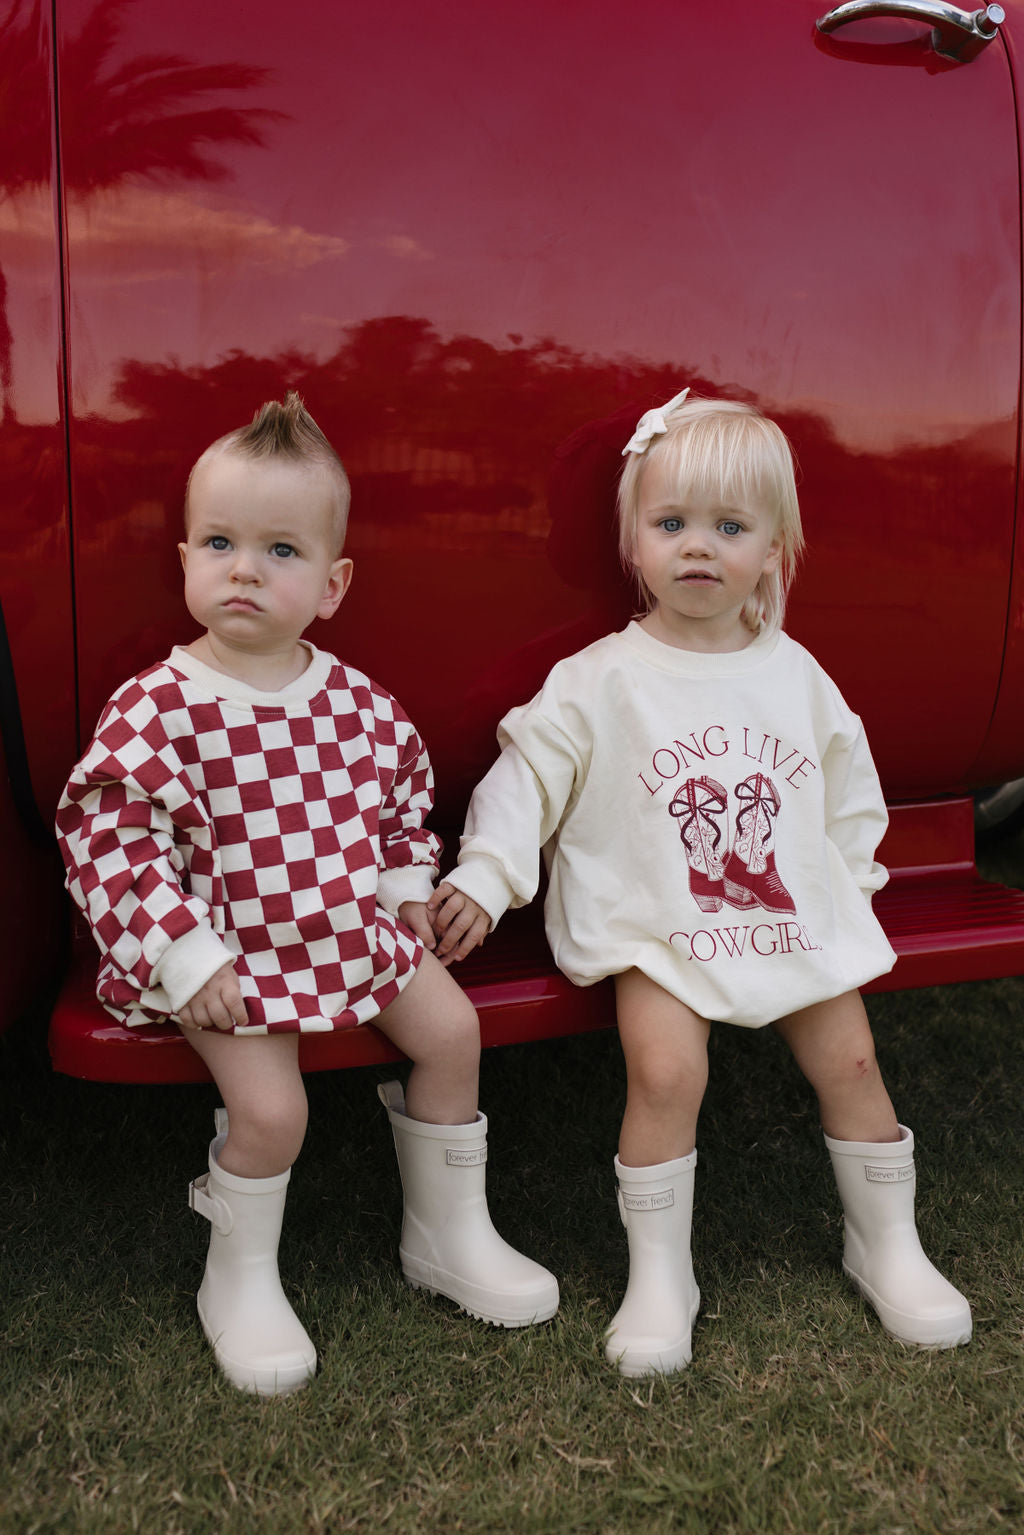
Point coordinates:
[[883, 1254], [448, 1244], [257, 1339], [651, 1332]]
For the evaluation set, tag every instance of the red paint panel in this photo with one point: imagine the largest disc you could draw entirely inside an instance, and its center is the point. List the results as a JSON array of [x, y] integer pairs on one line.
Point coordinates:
[[35, 581], [480, 240]]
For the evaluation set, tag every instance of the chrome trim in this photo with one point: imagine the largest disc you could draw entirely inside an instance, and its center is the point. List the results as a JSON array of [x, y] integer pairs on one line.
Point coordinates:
[[956, 34]]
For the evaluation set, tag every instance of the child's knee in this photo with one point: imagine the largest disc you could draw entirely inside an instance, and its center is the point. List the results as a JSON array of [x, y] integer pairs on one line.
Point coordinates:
[[454, 1033], [849, 1070], [273, 1123], [667, 1082]]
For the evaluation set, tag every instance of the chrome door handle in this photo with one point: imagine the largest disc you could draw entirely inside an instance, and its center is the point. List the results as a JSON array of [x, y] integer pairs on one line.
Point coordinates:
[[956, 34]]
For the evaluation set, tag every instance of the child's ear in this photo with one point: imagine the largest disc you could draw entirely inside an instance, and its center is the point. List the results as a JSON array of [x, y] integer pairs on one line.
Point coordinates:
[[183, 551], [338, 582], [772, 558]]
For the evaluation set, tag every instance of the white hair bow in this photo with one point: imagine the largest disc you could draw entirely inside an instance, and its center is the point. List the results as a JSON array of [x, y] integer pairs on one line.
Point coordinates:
[[652, 424]]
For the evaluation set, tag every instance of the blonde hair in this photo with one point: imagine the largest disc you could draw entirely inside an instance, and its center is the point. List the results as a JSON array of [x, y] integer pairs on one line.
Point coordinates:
[[287, 430], [728, 450]]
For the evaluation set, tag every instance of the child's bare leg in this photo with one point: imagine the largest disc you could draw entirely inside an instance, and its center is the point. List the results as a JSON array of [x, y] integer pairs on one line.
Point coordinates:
[[832, 1044], [257, 1339], [665, 1044], [435, 1024], [448, 1243], [873, 1161], [261, 1085], [666, 1048]]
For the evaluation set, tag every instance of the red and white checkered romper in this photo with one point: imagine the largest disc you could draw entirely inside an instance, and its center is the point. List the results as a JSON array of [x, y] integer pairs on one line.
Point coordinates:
[[271, 818]]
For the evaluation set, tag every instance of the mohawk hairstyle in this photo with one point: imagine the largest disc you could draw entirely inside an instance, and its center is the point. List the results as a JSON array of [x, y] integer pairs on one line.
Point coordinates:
[[287, 430]]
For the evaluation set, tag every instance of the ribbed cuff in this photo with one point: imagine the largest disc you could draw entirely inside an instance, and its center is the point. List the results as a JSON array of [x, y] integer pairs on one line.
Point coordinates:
[[411, 882], [481, 878], [188, 963]]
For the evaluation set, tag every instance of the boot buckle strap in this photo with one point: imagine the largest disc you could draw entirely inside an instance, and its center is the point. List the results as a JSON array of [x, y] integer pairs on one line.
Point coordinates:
[[215, 1209]]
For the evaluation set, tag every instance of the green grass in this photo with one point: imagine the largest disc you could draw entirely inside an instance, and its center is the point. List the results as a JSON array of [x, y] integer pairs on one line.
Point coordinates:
[[798, 1414]]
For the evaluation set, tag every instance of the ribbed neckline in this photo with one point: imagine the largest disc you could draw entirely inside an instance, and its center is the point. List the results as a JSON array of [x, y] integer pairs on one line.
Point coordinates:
[[230, 690], [699, 663]]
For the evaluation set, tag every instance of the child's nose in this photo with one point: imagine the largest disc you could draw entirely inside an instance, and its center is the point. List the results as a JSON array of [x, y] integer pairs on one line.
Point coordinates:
[[244, 567], [696, 540]]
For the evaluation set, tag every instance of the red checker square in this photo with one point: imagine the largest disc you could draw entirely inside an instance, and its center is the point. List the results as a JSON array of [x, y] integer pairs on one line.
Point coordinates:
[[258, 795], [187, 748], [153, 775], [352, 945], [255, 939], [363, 770], [305, 1005], [231, 830], [281, 762], [133, 692], [325, 841], [242, 885], [342, 808], [267, 851], [302, 874], [273, 986], [244, 741], [293, 817], [348, 725], [219, 772], [206, 718], [312, 787], [292, 957], [108, 929], [154, 733], [330, 756], [337, 893], [302, 731], [277, 908], [360, 856]]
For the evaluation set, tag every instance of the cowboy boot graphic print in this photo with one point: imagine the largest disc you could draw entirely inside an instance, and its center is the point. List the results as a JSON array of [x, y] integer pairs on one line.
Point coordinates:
[[700, 808], [750, 875]]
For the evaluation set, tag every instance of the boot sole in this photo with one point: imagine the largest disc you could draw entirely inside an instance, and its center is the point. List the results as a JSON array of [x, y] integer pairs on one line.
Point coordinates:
[[655, 1361], [915, 1331], [259, 1380], [477, 1302]]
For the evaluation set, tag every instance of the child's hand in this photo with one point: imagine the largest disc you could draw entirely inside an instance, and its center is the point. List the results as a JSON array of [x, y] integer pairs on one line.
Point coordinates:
[[460, 924], [414, 915], [217, 1005]]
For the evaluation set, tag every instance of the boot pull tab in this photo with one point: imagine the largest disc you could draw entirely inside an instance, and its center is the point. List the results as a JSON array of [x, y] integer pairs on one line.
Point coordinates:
[[217, 1212], [391, 1096]]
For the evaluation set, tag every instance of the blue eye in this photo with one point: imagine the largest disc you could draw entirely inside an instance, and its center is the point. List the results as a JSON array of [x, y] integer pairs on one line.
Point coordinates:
[[731, 528], [283, 551], [671, 524], [218, 541]]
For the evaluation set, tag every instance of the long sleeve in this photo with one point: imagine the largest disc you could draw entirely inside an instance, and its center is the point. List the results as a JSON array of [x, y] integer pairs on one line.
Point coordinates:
[[121, 824], [855, 813], [517, 807], [409, 852]]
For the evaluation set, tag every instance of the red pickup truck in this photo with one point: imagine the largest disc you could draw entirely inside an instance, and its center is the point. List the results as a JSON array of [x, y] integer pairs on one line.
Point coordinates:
[[480, 241]]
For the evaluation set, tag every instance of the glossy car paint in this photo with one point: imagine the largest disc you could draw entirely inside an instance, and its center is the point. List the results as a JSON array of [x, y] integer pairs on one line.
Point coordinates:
[[472, 237], [35, 571], [480, 241]]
